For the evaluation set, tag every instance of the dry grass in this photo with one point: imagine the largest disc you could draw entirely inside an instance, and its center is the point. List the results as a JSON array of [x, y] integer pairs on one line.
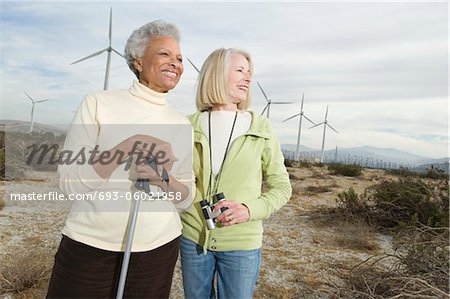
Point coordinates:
[[356, 236], [25, 273]]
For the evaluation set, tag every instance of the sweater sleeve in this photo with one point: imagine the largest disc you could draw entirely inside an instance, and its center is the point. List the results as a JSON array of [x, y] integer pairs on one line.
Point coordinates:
[[277, 178], [79, 176], [185, 175]]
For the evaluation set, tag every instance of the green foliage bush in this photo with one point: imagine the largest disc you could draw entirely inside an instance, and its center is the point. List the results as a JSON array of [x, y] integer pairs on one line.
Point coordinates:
[[398, 204], [351, 205], [350, 170], [436, 174], [407, 202]]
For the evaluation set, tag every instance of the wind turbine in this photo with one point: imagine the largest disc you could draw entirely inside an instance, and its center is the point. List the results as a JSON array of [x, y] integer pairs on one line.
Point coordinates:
[[325, 124], [108, 49], [32, 110], [269, 102], [301, 114]]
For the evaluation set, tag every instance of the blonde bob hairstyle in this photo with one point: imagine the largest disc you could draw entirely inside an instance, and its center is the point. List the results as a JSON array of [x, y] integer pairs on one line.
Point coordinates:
[[212, 86]]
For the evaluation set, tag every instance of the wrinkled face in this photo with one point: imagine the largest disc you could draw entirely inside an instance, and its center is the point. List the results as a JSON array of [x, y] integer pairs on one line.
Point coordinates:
[[161, 66], [239, 78]]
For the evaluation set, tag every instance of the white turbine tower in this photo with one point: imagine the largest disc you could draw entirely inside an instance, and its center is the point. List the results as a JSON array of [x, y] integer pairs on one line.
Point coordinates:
[[33, 102], [325, 124], [301, 114], [108, 49], [269, 102]]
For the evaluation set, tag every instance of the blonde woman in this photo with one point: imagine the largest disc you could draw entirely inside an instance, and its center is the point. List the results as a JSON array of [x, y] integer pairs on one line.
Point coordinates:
[[234, 148]]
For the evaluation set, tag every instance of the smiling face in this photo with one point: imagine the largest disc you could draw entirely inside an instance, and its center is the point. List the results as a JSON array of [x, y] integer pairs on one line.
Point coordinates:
[[161, 66], [239, 78]]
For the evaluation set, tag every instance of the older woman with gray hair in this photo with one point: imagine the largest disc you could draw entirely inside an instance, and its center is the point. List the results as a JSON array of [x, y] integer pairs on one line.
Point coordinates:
[[113, 125]]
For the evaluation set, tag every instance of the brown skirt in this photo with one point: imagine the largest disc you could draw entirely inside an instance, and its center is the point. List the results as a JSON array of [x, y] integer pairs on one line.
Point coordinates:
[[82, 271]]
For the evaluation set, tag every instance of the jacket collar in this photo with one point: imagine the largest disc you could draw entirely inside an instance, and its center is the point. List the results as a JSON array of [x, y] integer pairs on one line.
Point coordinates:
[[259, 126]]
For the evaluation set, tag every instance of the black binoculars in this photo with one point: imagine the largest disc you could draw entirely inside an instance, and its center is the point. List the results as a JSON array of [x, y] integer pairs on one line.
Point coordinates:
[[208, 212]]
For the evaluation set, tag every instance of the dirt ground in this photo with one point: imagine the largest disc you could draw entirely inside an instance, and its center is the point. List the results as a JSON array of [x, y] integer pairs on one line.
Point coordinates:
[[300, 252]]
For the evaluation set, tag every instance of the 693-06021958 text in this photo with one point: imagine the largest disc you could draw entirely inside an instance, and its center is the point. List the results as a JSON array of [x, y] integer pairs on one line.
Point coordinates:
[[112, 195]]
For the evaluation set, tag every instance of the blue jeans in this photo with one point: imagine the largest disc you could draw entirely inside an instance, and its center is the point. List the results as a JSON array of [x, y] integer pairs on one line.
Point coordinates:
[[237, 272]]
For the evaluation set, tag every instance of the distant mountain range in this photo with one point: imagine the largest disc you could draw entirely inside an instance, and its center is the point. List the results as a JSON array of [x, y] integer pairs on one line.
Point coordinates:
[[365, 155], [24, 127]]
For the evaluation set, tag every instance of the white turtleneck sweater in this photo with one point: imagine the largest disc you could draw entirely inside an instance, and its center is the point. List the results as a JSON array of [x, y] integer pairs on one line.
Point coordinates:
[[105, 119]]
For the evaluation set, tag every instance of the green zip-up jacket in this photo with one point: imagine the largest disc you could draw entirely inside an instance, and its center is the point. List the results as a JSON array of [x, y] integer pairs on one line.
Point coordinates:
[[252, 156]]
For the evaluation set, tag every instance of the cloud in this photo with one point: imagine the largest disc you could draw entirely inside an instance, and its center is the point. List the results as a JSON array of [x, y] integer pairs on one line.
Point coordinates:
[[382, 67]]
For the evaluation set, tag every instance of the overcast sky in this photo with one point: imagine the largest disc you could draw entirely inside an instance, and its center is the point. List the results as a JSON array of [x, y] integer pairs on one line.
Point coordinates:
[[381, 67]]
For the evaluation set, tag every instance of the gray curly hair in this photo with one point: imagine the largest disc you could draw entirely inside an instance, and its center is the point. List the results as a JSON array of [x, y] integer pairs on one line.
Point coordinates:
[[138, 40]]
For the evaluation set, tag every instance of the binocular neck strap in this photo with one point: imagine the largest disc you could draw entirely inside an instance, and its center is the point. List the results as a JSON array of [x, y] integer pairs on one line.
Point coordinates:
[[211, 175]]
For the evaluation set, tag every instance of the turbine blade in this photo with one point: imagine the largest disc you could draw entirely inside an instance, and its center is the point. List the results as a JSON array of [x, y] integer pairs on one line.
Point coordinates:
[[316, 125], [31, 99], [303, 99], [110, 26], [332, 128], [42, 101], [326, 113], [118, 53], [265, 109], [92, 55], [281, 102], [291, 117], [309, 119], [262, 90], [193, 65]]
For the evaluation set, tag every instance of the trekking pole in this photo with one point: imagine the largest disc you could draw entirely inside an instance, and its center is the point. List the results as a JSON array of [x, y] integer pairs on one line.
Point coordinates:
[[127, 254], [141, 184]]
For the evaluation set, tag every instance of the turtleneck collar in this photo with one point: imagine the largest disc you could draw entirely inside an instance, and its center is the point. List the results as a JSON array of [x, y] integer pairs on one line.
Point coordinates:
[[143, 92]]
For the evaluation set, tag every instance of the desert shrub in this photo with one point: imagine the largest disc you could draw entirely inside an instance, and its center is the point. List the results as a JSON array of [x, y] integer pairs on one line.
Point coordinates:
[[407, 202], [351, 205], [402, 172], [345, 170], [436, 174], [289, 163]]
